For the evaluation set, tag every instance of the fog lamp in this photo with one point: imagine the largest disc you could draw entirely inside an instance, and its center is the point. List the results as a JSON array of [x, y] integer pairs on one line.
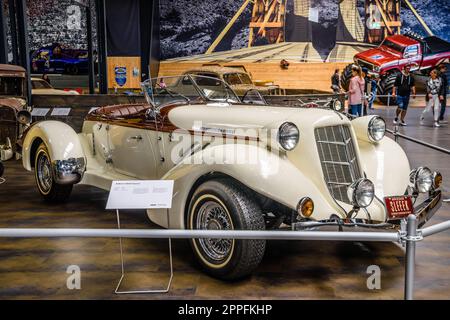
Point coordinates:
[[361, 193], [437, 179], [305, 207], [422, 179]]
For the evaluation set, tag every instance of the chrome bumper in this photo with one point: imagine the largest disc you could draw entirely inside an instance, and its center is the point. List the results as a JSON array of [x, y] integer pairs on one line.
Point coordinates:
[[69, 171], [423, 212], [428, 208]]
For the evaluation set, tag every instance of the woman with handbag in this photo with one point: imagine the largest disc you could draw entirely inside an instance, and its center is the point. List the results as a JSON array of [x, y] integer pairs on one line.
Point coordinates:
[[356, 97]]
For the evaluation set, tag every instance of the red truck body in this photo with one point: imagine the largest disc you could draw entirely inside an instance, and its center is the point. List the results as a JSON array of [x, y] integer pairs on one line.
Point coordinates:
[[399, 50]]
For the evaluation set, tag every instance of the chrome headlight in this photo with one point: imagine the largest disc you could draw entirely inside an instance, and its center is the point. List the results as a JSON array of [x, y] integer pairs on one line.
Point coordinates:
[[288, 136], [376, 129], [422, 179], [337, 105], [361, 193]]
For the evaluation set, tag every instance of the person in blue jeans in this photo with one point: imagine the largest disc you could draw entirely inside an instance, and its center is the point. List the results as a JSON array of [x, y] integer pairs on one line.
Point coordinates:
[[403, 86], [356, 92]]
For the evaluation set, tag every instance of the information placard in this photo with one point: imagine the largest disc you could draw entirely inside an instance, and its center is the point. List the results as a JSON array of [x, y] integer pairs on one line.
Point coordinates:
[[39, 112], [140, 194], [60, 111]]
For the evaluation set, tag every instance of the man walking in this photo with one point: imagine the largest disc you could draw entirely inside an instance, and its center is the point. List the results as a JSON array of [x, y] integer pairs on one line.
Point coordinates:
[[403, 87], [444, 89]]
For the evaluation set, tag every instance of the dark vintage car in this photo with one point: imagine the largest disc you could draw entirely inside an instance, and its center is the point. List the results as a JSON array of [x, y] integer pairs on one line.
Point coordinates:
[[14, 114], [59, 59]]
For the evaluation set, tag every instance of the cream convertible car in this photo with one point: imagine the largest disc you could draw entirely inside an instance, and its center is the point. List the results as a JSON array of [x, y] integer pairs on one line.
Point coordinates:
[[237, 165]]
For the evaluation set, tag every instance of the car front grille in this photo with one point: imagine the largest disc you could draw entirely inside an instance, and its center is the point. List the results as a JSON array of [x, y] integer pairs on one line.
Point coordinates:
[[367, 65], [338, 159]]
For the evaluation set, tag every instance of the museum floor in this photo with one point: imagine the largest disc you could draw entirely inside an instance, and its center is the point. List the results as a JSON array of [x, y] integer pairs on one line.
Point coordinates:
[[36, 268]]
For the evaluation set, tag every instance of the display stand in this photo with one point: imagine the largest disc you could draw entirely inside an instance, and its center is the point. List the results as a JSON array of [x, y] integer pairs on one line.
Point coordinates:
[[117, 291], [134, 196]]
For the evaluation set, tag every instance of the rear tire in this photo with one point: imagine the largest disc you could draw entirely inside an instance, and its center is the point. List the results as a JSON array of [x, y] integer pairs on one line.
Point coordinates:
[[346, 76], [223, 204], [45, 180], [385, 87]]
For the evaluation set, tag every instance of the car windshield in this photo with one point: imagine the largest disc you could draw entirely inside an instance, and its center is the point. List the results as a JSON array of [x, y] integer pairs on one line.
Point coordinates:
[[186, 88], [245, 78], [11, 86], [40, 84], [237, 78], [393, 46]]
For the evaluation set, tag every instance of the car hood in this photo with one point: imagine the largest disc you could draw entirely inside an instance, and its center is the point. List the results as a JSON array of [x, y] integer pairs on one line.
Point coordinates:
[[377, 56], [53, 92], [247, 120], [15, 103]]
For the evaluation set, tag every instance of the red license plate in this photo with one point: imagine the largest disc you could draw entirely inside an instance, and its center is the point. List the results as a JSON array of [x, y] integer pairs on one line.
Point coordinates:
[[399, 207]]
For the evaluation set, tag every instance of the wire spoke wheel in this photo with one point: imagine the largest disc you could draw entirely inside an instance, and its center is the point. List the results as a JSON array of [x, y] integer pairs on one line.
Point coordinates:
[[44, 172], [223, 204], [212, 216]]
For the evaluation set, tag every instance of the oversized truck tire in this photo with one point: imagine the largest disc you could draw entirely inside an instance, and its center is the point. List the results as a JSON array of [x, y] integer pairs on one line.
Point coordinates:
[[223, 204], [385, 87], [346, 76]]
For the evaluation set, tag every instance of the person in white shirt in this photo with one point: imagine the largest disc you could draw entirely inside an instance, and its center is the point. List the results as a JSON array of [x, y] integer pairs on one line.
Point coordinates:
[[434, 97]]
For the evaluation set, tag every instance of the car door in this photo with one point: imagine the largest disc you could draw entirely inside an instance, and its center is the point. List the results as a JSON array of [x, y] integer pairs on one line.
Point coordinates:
[[134, 151]]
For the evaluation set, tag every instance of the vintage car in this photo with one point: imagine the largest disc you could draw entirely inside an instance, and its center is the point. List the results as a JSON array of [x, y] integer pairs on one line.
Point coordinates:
[[238, 79], [40, 86], [14, 114], [59, 59], [237, 165]]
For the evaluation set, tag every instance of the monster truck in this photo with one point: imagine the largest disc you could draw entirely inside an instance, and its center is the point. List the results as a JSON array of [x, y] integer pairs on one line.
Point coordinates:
[[388, 59]]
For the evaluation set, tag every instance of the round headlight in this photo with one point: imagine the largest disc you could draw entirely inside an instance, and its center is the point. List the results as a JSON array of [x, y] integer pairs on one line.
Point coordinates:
[[288, 136], [422, 179], [337, 105], [361, 193], [437, 179], [305, 207], [376, 129]]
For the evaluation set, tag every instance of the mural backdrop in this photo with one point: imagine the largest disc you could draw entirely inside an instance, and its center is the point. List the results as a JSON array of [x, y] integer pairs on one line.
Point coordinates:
[[189, 27]]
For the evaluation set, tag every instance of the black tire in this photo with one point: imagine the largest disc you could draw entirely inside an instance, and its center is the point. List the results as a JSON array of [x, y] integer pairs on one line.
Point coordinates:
[[45, 181], [230, 206], [385, 86], [346, 76]]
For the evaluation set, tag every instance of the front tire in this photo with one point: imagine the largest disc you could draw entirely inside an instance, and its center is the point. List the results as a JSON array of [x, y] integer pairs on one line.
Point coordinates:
[[225, 205], [346, 76], [385, 87], [45, 180]]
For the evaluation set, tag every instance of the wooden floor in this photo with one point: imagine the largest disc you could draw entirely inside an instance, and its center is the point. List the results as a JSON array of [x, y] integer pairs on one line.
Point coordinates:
[[36, 268]]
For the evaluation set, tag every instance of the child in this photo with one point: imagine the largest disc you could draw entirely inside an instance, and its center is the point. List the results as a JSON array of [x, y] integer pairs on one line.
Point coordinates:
[[434, 98]]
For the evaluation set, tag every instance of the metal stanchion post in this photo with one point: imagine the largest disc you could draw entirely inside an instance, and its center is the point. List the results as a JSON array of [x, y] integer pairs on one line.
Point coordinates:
[[395, 133], [389, 99], [411, 238]]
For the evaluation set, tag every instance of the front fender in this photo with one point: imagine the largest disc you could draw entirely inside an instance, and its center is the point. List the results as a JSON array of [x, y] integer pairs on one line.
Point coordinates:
[[267, 173], [386, 165], [61, 140]]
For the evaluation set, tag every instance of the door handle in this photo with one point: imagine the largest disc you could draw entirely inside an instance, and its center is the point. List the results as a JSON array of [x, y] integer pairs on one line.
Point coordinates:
[[137, 138]]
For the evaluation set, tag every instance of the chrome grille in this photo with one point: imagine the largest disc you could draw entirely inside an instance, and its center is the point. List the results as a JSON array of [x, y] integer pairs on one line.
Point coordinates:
[[338, 159]]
